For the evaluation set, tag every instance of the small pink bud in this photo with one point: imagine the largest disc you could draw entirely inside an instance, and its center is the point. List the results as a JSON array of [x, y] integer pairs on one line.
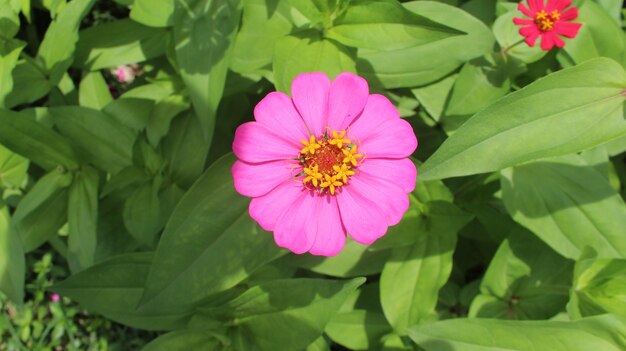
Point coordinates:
[[55, 298], [11, 312]]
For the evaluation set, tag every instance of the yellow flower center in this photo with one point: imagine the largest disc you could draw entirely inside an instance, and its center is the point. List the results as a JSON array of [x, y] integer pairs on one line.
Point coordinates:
[[328, 161], [546, 21]]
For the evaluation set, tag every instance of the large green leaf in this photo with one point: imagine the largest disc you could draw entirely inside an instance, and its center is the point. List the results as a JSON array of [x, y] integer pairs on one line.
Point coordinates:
[[118, 43], [12, 263], [43, 210], [113, 289], [606, 333], [599, 36], [9, 54], [34, 141], [599, 287], [99, 139], [207, 247], [354, 260], [13, 169], [56, 52], [385, 25], [29, 84], [185, 340], [153, 13], [568, 204], [308, 52], [142, 213], [205, 29], [411, 279], [568, 111], [525, 280], [82, 218], [358, 329], [427, 62], [284, 314], [263, 24], [93, 91]]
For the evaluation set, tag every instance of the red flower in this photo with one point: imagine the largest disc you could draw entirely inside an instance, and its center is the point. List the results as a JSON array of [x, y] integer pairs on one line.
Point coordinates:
[[548, 21]]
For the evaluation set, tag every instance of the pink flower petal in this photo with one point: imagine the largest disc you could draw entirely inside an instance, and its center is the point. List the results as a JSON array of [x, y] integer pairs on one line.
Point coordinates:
[[389, 197], [257, 179], [399, 171], [267, 209], [363, 219], [529, 30], [555, 38], [523, 9], [277, 112], [560, 5], [310, 95], [392, 139], [347, 98], [569, 15], [567, 29], [256, 143], [292, 230], [546, 41], [535, 5], [523, 21], [377, 111], [330, 235]]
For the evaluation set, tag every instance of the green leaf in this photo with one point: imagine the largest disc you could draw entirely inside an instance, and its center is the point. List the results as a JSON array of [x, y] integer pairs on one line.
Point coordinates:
[[411, 279], [82, 217], [422, 64], [56, 52], [480, 83], [358, 329], [98, 138], [93, 91], [354, 260], [185, 150], [113, 289], [293, 312], [205, 29], [207, 247], [133, 113], [606, 333], [599, 286], [117, 43], [184, 340], [568, 111], [153, 13], [385, 25], [162, 115], [599, 36], [13, 169], [510, 41], [567, 204], [29, 84], [308, 52], [263, 22], [525, 280], [34, 141], [142, 213], [43, 210], [12, 263], [433, 97], [9, 18], [10, 50]]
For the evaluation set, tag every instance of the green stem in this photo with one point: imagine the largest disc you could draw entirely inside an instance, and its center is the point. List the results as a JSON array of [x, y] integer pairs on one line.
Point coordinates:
[[506, 50]]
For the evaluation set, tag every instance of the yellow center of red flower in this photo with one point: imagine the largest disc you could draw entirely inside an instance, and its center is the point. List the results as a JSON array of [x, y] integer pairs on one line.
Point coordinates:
[[328, 161], [545, 21]]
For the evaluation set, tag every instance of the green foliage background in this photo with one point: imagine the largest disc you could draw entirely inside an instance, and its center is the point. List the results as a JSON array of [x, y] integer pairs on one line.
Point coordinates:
[[516, 234]]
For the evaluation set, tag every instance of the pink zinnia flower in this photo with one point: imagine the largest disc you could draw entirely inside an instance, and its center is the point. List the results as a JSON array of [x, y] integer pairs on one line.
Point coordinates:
[[548, 21], [329, 160]]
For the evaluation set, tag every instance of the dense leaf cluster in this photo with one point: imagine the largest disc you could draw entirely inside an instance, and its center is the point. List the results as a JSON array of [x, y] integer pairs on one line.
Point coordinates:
[[516, 234]]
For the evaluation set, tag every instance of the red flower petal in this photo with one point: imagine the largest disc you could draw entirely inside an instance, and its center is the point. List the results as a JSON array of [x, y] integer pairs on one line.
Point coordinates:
[[567, 29]]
